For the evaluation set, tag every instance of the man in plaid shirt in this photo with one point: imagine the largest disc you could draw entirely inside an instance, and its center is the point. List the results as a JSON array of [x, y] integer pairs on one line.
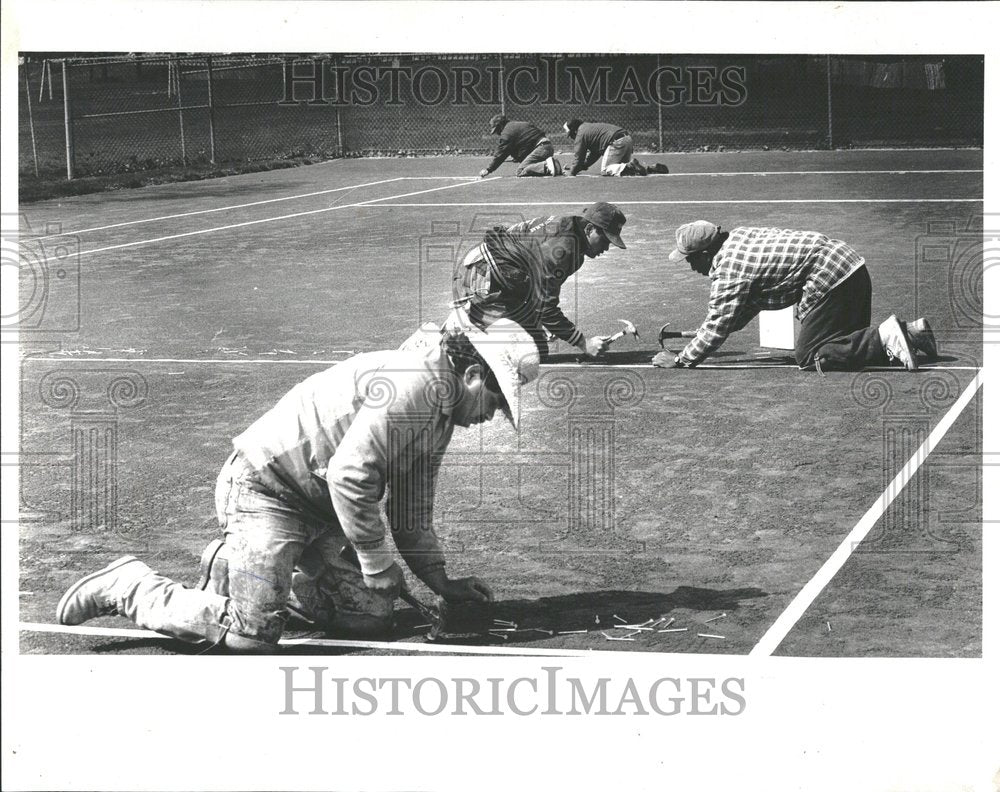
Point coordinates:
[[766, 269]]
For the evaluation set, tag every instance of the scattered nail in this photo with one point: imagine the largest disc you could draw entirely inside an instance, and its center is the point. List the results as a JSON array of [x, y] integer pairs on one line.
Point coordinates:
[[421, 626], [714, 618], [709, 635], [674, 629], [611, 638], [828, 628], [623, 621], [571, 632]]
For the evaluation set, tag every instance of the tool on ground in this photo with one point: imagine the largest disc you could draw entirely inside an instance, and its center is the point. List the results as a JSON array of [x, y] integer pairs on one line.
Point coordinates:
[[628, 328], [665, 333]]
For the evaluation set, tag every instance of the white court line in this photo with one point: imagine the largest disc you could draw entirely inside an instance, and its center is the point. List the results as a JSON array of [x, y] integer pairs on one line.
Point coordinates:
[[694, 174], [253, 203], [206, 361], [396, 646], [753, 366], [268, 219], [684, 202], [313, 362], [797, 607], [217, 209], [792, 172]]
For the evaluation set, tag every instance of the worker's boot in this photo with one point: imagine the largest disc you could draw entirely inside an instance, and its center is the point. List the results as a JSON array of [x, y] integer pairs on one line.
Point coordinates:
[[896, 344], [922, 337], [101, 593]]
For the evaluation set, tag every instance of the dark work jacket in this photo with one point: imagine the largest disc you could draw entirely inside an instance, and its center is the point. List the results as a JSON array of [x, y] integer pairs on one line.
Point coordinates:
[[591, 141], [558, 245], [517, 140], [518, 273]]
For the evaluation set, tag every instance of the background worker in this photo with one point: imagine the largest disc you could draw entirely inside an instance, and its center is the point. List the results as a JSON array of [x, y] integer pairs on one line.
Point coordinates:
[[763, 269], [608, 143], [518, 272], [307, 478], [524, 143]]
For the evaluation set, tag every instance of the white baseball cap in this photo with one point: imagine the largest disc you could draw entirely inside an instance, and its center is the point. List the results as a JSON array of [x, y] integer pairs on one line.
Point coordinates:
[[693, 238], [512, 356]]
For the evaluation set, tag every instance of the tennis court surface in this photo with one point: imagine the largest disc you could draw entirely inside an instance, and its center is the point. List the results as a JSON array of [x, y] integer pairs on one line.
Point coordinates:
[[834, 515]]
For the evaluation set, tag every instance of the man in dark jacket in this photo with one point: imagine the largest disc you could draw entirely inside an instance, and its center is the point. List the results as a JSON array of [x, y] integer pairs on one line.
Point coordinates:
[[518, 273], [524, 143], [608, 143]]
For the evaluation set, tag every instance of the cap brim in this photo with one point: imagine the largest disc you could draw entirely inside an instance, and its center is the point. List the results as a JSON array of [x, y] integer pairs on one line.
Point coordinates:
[[614, 239], [508, 387], [676, 255], [511, 413]]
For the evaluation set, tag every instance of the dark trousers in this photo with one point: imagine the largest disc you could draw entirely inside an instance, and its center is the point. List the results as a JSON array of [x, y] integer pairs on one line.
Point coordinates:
[[837, 332]]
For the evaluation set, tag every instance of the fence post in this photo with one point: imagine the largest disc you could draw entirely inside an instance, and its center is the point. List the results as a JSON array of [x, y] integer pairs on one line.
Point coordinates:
[[31, 120], [68, 121], [211, 112], [503, 79], [180, 108], [829, 104], [659, 105], [46, 71], [336, 109]]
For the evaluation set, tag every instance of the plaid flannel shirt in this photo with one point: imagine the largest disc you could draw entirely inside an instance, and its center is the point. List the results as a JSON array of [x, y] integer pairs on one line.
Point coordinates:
[[765, 269]]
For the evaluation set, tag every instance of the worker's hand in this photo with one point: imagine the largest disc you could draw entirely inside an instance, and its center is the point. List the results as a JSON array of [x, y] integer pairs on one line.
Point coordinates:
[[388, 580], [483, 173], [595, 346], [465, 589], [667, 359]]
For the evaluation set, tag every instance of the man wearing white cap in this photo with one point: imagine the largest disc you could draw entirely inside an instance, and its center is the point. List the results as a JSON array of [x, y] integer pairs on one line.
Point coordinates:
[[764, 269], [306, 481]]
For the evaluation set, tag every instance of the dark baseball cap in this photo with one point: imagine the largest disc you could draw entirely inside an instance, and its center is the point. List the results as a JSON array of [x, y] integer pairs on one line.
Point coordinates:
[[609, 218], [497, 123]]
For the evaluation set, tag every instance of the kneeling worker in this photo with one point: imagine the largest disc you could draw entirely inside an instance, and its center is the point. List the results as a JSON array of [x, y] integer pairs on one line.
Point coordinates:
[[518, 273], [306, 480], [764, 269]]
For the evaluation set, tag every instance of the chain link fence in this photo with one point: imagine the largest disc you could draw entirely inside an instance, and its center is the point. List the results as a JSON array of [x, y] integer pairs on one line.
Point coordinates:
[[119, 114]]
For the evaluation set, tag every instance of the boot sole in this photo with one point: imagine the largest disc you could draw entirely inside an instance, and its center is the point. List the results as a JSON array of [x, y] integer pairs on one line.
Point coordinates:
[[64, 602]]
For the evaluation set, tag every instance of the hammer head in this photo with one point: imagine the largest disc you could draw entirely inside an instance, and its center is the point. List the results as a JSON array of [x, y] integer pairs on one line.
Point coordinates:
[[629, 328], [460, 619]]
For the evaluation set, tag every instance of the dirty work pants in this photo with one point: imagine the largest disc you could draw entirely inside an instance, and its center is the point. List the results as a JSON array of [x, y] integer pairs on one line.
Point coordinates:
[[534, 163], [837, 333], [617, 155], [274, 553]]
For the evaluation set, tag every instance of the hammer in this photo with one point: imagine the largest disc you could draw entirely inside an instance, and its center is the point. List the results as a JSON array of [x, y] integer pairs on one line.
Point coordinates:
[[664, 333], [628, 328]]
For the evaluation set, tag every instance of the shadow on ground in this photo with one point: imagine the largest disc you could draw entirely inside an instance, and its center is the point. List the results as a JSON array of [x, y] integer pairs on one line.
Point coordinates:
[[538, 620]]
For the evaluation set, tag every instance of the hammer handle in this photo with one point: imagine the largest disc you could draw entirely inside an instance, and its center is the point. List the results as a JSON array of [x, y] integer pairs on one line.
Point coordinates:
[[348, 554]]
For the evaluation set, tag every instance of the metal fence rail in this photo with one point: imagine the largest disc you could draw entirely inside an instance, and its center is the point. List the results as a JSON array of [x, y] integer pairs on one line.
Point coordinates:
[[118, 114]]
